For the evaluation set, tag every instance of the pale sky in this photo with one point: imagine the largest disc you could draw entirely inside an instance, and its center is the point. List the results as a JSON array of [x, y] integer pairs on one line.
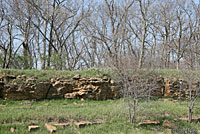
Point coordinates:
[[197, 1]]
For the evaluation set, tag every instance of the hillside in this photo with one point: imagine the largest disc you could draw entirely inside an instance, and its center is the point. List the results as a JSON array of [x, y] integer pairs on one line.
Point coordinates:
[[98, 73]]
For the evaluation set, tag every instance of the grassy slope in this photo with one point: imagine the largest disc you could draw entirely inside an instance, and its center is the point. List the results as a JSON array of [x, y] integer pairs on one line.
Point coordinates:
[[46, 74], [113, 112], [173, 73]]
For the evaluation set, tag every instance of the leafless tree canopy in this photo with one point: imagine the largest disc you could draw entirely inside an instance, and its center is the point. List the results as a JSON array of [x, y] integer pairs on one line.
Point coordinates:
[[80, 34]]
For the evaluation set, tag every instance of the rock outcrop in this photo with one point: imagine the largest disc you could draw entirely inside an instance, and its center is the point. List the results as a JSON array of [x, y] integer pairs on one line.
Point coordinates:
[[93, 88], [22, 88], [179, 88]]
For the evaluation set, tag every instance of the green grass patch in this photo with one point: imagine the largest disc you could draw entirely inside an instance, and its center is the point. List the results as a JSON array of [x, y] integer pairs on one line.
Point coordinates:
[[20, 114], [173, 73], [47, 74]]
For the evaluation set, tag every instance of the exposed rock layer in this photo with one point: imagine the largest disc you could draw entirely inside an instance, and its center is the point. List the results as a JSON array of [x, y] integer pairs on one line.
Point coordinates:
[[21, 88]]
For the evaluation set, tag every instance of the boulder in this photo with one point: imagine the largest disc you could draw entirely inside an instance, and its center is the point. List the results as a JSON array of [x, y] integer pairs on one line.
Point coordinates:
[[33, 127], [50, 128]]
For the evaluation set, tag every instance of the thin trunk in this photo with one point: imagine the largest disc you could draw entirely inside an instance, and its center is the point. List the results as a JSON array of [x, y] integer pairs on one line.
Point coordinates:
[[190, 104], [5, 58], [10, 54], [179, 46], [10, 47], [141, 59], [25, 54], [134, 111], [51, 37], [190, 114], [44, 47]]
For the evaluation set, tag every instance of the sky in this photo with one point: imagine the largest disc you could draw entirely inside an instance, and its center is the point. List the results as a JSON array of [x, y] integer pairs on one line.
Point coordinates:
[[197, 1]]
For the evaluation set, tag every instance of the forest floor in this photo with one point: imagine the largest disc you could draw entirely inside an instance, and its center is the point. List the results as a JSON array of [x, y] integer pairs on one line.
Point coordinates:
[[112, 114]]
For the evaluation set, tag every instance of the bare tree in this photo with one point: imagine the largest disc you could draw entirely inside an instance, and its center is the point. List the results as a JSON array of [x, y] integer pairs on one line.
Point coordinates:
[[7, 36], [136, 86], [193, 92], [64, 34], [22, 13]]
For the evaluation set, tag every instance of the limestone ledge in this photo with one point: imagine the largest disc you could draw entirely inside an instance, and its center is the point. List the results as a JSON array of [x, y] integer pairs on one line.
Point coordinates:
[[22, 88], [27, 88]]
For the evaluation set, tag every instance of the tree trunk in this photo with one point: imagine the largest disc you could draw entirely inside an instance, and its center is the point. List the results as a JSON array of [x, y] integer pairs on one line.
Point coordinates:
[[51, 36], [4, 59], [141, 59], [25, 54], [10, 46], [190, 114]]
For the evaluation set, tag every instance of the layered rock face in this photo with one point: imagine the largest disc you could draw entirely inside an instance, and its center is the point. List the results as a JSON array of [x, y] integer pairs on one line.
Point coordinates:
[[22, 88], [179, 88]]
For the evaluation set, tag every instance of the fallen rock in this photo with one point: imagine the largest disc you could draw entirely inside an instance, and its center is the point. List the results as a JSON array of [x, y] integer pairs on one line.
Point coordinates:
[[75, 103], [149, 122], [50, 128], [62, 124], [81, 124], [194, 119], [97, 122], [33, 127], [168, 124], [12, 130], [183, 119]]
